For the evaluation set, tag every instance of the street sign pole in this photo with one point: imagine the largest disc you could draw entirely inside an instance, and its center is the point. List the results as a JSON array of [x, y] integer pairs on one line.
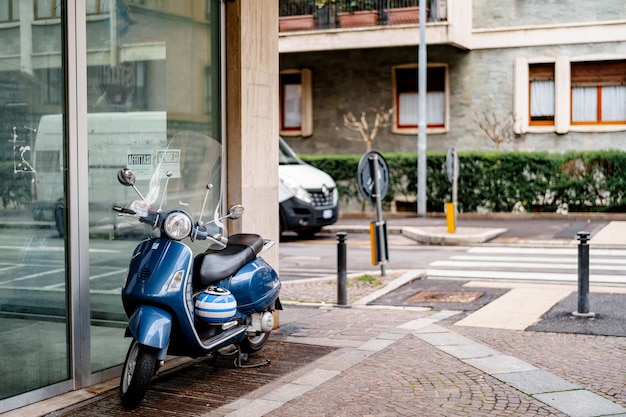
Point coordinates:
[[421, 113], [381, 241], [373, 180]]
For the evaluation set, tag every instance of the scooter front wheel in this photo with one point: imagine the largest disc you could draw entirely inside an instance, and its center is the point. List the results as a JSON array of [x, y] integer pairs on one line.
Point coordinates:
[[138, 370]]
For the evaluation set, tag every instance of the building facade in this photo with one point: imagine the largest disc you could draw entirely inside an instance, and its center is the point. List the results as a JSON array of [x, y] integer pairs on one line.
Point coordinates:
[[88, 87], [536, 75]]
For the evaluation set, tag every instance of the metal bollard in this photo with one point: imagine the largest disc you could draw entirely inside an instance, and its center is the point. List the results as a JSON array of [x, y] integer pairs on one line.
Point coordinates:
[[583, 276], [342, 281]]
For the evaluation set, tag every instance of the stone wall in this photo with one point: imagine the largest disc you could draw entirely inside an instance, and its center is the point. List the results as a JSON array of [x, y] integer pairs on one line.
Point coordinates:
[[357, 80], [506, 13]]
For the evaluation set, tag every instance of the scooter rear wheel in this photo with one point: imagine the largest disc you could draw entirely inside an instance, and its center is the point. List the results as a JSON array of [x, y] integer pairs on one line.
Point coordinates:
[[138, 370], [252, 344]]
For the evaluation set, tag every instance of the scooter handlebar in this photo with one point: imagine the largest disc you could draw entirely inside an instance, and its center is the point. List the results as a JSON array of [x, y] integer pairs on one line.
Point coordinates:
[[124, 210]]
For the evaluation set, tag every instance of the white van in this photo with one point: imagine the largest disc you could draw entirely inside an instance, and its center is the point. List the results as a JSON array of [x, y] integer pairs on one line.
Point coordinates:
[[308, 197], [115, 140]]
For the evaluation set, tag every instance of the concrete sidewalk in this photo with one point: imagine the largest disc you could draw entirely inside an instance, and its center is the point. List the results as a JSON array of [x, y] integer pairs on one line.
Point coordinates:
[[506, 229]]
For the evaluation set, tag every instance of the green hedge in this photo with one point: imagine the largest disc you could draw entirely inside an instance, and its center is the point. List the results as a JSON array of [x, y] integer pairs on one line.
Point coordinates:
[[499, 181]]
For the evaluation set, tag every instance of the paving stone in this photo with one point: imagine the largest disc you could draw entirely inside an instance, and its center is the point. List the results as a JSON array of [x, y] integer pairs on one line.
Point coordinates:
[[468, 351], [500, 364], [580, 403], [536, 382], [445, 339], [287, 392], [316, 377]]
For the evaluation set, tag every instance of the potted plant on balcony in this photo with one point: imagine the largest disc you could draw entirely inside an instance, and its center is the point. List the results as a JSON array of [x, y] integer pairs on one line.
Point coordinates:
[[358, 13], [296, 15], [402, 12]]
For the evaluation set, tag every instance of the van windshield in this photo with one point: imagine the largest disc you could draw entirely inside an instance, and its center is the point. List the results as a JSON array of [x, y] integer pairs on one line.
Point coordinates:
[[286, 155]]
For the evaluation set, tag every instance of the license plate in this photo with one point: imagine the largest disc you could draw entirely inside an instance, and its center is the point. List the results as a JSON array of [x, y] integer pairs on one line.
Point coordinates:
[[327, 214]]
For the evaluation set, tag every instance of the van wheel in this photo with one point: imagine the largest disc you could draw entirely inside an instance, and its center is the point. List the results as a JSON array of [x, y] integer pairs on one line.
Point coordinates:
[[59, 217], [308, 233], [38, 214], [281, 225]]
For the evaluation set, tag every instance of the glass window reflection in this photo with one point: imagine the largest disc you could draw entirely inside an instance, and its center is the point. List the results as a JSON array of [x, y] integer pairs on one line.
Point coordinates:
[[34, 348], [152, 73]]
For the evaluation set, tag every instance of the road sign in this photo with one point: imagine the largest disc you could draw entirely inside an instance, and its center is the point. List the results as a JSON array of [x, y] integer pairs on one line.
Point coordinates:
[[452, 165], [366, 177]]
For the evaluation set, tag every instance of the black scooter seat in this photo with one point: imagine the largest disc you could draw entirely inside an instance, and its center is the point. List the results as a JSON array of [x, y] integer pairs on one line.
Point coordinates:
[[215, 265]]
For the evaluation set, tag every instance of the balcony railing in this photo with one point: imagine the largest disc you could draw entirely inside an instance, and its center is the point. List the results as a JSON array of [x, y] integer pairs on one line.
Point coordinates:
[[297, 15]]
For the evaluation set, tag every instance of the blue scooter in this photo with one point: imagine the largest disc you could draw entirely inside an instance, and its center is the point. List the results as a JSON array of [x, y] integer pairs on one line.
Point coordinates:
[[185, 305]]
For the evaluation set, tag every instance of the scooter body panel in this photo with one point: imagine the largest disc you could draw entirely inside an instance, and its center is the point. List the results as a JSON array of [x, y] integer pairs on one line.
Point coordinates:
[[148, 302], [154, 265], [255, 286], [151, 270], [151, 326]]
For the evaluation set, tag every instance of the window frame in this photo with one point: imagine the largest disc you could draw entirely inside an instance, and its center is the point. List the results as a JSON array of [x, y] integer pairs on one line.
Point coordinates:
[[55, 7], [602, 80], [396, 91], [306, 102], [562, 96], [538, 72], [13, 9]]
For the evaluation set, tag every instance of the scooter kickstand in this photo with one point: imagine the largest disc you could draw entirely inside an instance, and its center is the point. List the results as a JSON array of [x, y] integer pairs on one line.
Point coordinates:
[[243, 357]]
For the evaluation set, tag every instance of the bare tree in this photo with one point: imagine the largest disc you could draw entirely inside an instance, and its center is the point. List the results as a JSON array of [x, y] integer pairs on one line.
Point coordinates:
[[368, 133], [498, 129]]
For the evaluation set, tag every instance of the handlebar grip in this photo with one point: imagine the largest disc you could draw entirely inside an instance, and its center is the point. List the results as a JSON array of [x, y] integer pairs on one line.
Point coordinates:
[[123, 210]]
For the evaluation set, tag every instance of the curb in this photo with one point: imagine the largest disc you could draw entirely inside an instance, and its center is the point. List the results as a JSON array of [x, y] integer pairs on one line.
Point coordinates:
[[438, 235]]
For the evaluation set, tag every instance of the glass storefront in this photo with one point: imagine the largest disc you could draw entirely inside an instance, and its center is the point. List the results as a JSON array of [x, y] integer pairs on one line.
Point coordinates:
[[152, 71], [34, 326]]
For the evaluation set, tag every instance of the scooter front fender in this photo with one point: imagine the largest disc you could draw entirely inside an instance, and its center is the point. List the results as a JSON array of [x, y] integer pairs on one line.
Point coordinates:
[[151, 326]]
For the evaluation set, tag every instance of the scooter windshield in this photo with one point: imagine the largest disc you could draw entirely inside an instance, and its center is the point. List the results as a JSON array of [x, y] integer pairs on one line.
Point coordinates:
[[193, 163]]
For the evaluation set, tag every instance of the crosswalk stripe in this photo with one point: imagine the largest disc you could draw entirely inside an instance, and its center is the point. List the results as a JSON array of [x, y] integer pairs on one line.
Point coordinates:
[[573, 251], [523, 276], [607, 266], [530, 265], [574, 259]]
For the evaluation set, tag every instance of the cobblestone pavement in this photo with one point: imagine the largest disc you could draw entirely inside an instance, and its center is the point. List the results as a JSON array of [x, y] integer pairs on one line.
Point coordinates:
[[324, 290], [377, 360], [410, 361], [594, 362], [413, 379], [410, 377]]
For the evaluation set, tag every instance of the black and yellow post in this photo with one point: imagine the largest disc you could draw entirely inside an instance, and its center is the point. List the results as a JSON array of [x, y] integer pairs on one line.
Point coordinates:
[[378, 242]]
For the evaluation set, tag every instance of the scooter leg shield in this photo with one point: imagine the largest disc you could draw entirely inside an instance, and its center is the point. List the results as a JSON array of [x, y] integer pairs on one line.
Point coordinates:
[[151, 326]]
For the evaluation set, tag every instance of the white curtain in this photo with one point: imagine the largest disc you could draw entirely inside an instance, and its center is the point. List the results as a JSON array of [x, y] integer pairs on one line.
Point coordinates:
[[435, 105], [407, 113], [292, 117], [541, 98], [614, 103], [584, 104], [435, 108]]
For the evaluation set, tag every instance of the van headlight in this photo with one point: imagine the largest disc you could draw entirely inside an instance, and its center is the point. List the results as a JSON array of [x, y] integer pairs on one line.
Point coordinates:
[[177, 225], [297, 190]]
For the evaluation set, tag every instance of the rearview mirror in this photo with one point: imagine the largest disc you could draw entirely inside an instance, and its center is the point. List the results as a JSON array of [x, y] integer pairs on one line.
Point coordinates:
[[235, 212], [126, 177]]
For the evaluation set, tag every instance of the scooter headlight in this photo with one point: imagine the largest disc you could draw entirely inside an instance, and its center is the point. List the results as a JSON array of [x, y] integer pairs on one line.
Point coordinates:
[[177, 225]]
